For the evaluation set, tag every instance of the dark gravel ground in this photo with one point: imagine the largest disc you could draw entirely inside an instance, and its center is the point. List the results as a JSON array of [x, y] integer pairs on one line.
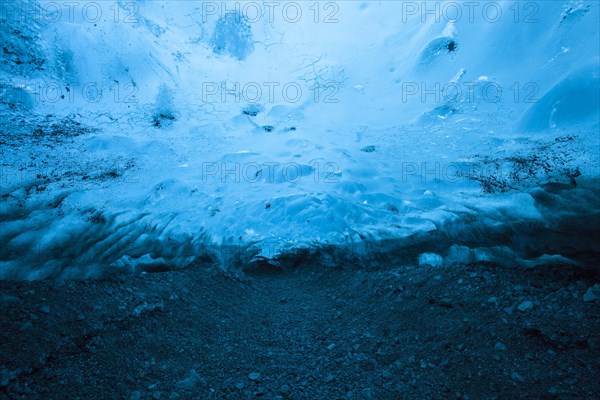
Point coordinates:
[[465, 332]]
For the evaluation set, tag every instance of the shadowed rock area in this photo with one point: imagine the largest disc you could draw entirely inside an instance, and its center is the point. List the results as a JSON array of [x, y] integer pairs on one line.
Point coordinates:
[[466, 331]]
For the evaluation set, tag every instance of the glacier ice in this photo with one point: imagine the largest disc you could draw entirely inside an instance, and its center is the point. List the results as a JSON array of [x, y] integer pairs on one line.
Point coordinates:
[[232, 36], [178, 136]]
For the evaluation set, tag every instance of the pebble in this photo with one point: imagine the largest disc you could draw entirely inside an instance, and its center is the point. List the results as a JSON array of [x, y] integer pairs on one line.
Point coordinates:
[[192, 380], [525, 306], [7, 299], [45, 309], [284, 389], [500, 346], [147, 308], [329, 378], [6, 376], [517, 377], [592, 294], [26, 326], [367, 393], [135, 396], [331, 346], [254, 376], [261, 391]]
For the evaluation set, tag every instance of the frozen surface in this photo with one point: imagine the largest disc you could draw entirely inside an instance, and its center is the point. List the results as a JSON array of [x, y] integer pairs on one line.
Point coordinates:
[[167, 133]]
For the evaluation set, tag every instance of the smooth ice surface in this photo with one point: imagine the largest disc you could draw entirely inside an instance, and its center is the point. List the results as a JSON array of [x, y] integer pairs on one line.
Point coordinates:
[[167, 133]]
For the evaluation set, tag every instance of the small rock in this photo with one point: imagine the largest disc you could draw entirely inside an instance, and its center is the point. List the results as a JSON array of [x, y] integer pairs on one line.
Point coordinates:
[[146, 308], [254, 376], [9, 299], [329, 378], [174, 395], [284, 389], [331, 346], [192, 380], [554, 391], [26, 326], [6, 376], [45, 309], [386, 374], [592, 294], [135, 396], [517, 377], [367, 393], [593, 343], [239, 385], [33, 317], [500, 347], [508, 310], [261, 391], [156, 395], [525, 306]]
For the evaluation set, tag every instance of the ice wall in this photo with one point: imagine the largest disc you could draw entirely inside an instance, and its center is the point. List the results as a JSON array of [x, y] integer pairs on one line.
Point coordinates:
[[152, 135]]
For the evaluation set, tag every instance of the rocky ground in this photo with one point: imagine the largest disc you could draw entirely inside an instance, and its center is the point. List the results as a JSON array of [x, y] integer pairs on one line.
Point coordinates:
[[466, 332]]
